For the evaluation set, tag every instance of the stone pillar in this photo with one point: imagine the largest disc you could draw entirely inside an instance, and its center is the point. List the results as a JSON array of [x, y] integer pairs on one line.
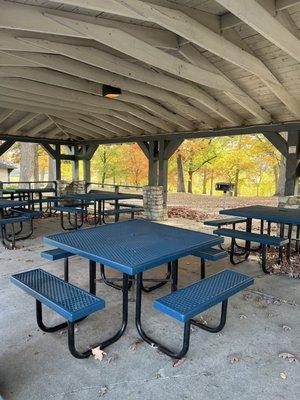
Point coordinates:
[[153, 198], [289, 202]]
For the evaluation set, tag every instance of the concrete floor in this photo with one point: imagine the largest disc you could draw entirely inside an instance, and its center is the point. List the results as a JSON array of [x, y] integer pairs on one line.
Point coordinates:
[[240, 363]]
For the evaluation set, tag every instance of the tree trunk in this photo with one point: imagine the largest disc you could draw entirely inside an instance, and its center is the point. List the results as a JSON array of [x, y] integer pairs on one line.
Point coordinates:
[[190, 181], [281, 178], [236, 182], [180, 176], [29, 162], [205, 178], [51, 176], [211, 182]]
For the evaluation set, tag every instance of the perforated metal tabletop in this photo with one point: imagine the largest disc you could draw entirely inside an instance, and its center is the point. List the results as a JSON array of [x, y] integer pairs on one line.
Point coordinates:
[[103, 196], [270, 214], [132, 246]]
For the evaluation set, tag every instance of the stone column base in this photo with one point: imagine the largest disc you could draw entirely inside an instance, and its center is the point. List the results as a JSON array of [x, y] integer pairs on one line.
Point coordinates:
[[153, 203], [292, 202]]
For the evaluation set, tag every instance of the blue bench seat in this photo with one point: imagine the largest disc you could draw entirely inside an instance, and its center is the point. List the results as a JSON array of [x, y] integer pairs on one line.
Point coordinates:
[[9, 239], [265, 239], [14, 220], [58, 254], [55, 254], [69, 209], [225, 221], [184, 304], [67, 300], [30, 213], [211, 254]]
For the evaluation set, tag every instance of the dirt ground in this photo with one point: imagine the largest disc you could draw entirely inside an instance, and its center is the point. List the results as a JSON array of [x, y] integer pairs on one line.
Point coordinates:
[[211, 205]]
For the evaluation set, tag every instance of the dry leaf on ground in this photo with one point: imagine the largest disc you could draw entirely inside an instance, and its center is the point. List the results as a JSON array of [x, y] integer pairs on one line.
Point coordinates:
[[98, 353], [283, 375], [135, 344], [178, 361], [103, 391], [243, 316], [288, 356], [286, 328], [233, 358]]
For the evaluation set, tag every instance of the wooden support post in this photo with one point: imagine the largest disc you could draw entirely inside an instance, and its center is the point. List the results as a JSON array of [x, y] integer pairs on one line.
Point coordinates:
[[87, 170], [57, 169], [6, 146], [292, 163], [163, 170], [75, 170], [153, 163]]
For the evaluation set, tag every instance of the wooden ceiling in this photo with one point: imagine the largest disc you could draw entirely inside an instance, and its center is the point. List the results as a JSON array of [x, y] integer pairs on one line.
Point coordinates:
[[182, 65]]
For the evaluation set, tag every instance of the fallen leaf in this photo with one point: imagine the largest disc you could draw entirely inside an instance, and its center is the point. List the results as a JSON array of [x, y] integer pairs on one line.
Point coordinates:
[[135, 344], [160, 373], [103, 391], [178, 361], [243, 316], [286, 328], [98, 353], [288, 357], [283, 375], [233, 358]]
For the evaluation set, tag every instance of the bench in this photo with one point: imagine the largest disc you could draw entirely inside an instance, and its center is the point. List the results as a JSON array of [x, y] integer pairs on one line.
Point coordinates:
[[69, 301], [30, 213], [9, 240], [128, 205], [225, 221], [70, 210], [131, 210], [211, 254], [186, 303], [58, 254], [264, 239]]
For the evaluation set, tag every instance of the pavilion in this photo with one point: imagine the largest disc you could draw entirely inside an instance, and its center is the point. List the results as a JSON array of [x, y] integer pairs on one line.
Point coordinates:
[[177, 69]]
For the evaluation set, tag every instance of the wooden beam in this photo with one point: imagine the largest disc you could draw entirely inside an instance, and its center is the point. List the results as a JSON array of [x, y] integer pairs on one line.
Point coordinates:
[[63, 80], [292, 163], [37, 129], [22, 122], [52, 152], [170, 147], [6, 146], [197, 33], [139, 49], [144, 146], [91, 73], [76, 99], [284, 4], [278, 142], [115, 64], [8, 60], [6, 114], [256, 16], [32, 19], [195, 57]]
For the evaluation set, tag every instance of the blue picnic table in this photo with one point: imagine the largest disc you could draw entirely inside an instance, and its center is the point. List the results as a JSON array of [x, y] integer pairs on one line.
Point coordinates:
[[132, 247], [278, 215], [98, 199]]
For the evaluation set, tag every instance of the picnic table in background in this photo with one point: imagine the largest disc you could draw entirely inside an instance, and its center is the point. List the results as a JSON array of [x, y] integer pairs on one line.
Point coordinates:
[[281, 216], [28, 194], [98, 199]]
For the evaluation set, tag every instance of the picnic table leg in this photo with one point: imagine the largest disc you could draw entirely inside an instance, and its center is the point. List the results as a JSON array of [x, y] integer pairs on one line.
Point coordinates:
[[281, 234], [297, 239], [92, 268], [149, 340], [148, 289], [174, 275], [113, 339], [214, 329], [288, 246], [117, 207]]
